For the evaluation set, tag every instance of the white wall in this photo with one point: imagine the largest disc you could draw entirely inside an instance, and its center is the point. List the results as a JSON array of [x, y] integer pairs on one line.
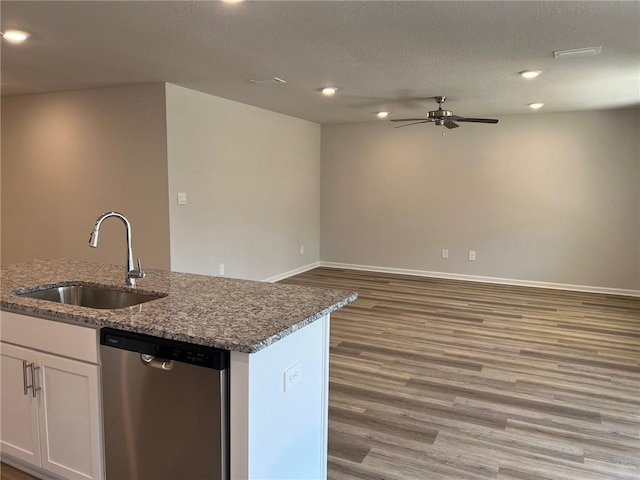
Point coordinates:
[[67, 157], [540, 197], [252, 179]]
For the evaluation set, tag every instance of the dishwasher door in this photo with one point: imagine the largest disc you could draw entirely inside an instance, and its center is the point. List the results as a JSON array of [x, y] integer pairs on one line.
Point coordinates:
[[163, 420]]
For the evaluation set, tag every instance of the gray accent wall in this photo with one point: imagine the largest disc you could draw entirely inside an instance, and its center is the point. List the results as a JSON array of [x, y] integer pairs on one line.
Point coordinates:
[[68, 157], [541, 197], [252, 179]]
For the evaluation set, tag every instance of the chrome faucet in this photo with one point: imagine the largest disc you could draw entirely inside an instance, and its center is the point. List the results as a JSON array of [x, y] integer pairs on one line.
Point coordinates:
[[131, 275]]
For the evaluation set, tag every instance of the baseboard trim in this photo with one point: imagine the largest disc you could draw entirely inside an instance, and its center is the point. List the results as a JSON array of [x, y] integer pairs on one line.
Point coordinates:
[[291, 273], [476, 278], [27, 468]]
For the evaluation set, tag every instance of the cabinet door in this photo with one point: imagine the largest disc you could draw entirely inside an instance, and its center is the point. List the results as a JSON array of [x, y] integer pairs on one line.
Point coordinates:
[[19, 412], [70, 427]]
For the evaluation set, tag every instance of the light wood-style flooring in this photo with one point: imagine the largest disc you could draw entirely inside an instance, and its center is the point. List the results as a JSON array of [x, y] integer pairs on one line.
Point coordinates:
[[436, 379], [444, 380]]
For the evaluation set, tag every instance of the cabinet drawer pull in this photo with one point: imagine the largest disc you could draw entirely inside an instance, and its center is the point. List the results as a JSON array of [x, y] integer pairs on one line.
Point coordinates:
[[34, 375]]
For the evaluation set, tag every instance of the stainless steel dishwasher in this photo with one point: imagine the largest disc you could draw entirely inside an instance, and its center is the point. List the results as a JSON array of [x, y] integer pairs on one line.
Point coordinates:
[[166, 408]]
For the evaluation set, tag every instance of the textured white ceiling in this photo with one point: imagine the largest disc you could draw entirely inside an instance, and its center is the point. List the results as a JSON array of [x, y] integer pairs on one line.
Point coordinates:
[[381, 55]]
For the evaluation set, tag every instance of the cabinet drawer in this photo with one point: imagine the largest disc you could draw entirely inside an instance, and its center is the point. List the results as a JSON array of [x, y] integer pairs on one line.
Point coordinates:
[[59, 338]]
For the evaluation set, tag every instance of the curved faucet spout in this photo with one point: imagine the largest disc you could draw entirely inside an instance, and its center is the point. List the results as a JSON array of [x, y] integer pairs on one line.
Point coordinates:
[[132, 274]]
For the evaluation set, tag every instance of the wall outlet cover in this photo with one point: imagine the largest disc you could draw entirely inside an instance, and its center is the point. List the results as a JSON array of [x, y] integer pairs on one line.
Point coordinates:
[[292, 376]]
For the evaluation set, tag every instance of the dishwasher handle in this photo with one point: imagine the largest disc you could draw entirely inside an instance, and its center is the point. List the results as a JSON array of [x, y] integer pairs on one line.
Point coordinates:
[[154, 362]]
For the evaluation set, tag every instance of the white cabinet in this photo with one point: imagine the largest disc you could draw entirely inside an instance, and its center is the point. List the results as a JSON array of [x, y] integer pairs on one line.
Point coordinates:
[[56, 425], [19, 430], [69, 417]]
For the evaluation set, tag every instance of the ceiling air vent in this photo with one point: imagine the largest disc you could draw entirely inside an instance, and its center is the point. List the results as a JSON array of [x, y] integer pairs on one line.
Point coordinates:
[[577, 52], [268, 81]]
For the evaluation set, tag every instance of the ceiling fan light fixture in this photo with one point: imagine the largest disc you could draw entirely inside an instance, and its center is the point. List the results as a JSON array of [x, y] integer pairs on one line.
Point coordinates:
[[529, 74], [382, 114], [329, 91], [536, 106], [15, 36]]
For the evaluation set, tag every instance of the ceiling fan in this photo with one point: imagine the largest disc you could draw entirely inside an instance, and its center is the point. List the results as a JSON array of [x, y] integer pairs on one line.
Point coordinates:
[[442, 117]]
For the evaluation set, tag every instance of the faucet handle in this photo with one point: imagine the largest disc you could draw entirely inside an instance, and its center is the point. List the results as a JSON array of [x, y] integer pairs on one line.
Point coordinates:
[[139, 273]]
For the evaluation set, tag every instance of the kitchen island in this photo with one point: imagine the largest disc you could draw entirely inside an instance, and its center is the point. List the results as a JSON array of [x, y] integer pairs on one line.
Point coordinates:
[[277, 429]]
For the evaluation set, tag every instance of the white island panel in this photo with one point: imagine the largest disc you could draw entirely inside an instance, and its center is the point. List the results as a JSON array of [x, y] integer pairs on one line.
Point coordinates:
[[284, 434]]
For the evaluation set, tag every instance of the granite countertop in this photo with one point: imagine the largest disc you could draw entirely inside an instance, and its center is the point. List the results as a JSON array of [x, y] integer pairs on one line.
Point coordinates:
[[239, 315]]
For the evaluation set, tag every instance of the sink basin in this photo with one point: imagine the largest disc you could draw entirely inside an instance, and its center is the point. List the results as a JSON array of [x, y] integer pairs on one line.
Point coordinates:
[[92, 297]]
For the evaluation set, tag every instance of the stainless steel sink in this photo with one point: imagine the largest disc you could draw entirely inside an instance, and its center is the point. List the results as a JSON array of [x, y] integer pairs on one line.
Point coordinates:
[[92, 297]]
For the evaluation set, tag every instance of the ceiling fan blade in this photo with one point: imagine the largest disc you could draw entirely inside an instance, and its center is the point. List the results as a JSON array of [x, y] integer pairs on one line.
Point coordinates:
[[477, 120], [414, 123], [450, 124], [409, 119]]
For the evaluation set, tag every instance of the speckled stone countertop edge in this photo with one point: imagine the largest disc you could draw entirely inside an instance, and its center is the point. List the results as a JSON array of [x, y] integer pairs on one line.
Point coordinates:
[[231, 346], [303, 323], [238, 315]]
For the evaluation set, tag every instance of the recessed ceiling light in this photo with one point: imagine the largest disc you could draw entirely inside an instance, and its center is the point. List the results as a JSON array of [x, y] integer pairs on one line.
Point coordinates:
[[536, 106], [329, 91], [15, 36], [382, 114], [530, 73], [233, 1]]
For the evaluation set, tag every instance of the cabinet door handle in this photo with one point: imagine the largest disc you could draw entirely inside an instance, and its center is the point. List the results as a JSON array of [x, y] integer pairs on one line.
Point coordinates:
[[25, 386], [34, 375]]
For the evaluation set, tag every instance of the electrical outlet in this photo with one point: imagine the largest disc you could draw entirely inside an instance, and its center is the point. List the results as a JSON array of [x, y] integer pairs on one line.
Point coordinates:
[[445, 253], [222, 269], [472, 255], [182, 199], [301, 249], [292, 376]]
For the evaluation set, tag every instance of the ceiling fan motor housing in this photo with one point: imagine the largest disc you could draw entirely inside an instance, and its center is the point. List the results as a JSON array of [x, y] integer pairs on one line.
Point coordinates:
[[440, 114]]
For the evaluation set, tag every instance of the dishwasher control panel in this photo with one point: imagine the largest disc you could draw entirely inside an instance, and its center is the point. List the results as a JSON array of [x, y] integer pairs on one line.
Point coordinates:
[[199, 355]]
